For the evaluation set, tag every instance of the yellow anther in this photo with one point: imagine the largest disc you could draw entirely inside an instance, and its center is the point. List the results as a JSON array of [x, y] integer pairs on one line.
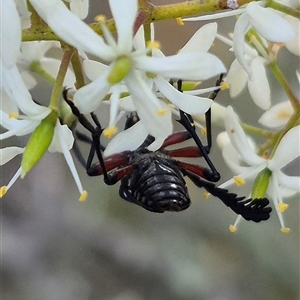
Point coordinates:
[[238, 180], [100, 19], [232, 228], [285, 230], [282, 207], [203, 131], [205, 195], [161, 111], [3, 191], [110, 131], [83, 196], [13, 115], [153, 44], [224, 86], [180, 21]]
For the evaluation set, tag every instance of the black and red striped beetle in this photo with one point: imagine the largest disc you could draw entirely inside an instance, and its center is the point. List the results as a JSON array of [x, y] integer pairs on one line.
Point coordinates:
[[155, 180]]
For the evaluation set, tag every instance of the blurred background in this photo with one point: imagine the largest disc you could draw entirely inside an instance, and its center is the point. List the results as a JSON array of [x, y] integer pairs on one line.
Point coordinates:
[[53, 247]]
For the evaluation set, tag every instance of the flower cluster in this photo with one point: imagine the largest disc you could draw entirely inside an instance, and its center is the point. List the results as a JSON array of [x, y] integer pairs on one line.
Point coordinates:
[[259, 34], [130, 73]]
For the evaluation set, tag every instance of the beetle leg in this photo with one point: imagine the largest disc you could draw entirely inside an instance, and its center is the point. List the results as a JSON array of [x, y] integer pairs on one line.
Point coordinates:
[[190, 151], [95, 131], [197, 170], [250, 209], [175, 138], [118, 174], [111, 162]]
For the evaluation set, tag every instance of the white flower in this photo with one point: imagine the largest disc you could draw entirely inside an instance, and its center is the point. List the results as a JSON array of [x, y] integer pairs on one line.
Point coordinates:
[[257, 83], [33, 53], [66, 25], [280, 185], [266, 22], [188, 64], [62, 141]]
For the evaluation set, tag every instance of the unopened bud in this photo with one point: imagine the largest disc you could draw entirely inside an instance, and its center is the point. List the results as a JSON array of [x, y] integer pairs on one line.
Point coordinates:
[[261, 184], [38, 143]]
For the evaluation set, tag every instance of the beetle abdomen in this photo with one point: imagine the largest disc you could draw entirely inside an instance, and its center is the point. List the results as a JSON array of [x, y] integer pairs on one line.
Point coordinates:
[[160, 187]]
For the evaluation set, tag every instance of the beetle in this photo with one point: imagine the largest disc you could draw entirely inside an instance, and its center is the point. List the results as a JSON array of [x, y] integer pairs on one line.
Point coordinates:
[[155, 180]]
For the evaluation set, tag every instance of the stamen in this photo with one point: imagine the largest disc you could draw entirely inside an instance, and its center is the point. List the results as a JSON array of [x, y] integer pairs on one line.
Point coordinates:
[[285, 230], [239, 180], [224, 86], [100, 19], [153, 44], [3, 190], [161, 111], [203, 131], [282, 207], [232, 228], [13, 115], [205, 195], [83, 196], [110, 131], [180, 21]]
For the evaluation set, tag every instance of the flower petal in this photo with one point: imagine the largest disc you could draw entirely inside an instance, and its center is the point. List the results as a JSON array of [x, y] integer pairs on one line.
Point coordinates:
[[129, 139], [231, 158], [285, 152], [202, 40], [16, 127], [8, 153], [190, 104], [89, 97], [80, 8], [277, 115], [258, 84], [124, 13], [189, 66], [240, 28], [16, 90], [237, 78], [148, 106], [290, 182], [70, 28], [10, 28], [269, 24], [126, 104], [61, 134], [93, 69], [239, 139], [293, 45]]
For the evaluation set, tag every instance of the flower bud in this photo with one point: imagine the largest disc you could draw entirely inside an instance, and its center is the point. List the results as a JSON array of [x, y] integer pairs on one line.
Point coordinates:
[[261, 184], [38, 143], [120, 70]]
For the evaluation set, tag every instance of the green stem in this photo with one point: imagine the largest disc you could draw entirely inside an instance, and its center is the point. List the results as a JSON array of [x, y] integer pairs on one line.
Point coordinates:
[[58, 86], [257, 131], [274, 142], [36, 67], [285, 9], [40, 31], [285, 85], [77, 67]]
